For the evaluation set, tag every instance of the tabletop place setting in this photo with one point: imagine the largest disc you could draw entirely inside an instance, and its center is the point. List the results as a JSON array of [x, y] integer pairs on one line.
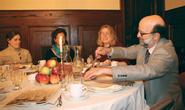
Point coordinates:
[[56, 84]]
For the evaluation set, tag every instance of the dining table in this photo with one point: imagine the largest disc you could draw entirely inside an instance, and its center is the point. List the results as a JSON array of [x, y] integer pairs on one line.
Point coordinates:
[[119, 97], [98, 94]]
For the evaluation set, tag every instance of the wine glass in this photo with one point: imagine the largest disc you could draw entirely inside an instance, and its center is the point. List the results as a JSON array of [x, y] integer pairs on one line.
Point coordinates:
[[3, 71], [17, 77]]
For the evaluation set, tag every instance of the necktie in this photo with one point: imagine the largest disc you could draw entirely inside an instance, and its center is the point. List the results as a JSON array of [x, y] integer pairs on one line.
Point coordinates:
[[147, 55]]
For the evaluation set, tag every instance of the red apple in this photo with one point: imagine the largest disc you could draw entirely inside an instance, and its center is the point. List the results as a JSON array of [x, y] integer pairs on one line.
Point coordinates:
[[41, 78], [54, 79], [45, 70], [56, 69], [51, 63]]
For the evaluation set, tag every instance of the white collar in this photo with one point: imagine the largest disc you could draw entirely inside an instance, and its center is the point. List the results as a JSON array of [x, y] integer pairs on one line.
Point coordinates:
[[152, 49]]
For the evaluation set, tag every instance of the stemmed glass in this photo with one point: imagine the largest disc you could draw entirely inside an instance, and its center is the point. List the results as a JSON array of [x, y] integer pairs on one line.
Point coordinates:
[[17, 77], [66, 74], [3, 72]]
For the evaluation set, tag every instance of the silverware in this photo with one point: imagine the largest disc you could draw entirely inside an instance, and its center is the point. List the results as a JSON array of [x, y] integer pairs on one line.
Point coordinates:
[[59, 101]]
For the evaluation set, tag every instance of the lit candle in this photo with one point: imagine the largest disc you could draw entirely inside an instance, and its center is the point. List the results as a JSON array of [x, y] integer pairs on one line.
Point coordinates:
[[60, 44]]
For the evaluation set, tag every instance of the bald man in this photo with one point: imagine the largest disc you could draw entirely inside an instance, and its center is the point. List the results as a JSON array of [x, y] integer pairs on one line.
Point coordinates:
[[156, 62]]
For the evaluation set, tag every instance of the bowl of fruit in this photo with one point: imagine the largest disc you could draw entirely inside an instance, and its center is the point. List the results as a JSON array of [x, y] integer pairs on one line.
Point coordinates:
[[49, 73]]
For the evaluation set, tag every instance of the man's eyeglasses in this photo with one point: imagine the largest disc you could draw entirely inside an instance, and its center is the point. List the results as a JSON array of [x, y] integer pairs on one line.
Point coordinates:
[[142, 33]]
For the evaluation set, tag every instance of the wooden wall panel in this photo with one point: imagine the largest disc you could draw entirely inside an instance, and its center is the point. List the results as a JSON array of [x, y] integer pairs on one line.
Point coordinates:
[[36, 27], [88, 37]]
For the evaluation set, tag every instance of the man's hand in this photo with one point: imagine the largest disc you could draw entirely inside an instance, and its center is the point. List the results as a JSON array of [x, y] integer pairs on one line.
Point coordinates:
[[102, 51], [94, 72]]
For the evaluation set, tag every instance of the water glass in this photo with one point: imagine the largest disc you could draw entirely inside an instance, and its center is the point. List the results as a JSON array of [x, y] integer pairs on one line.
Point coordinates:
[[17, 77], [3, 71]]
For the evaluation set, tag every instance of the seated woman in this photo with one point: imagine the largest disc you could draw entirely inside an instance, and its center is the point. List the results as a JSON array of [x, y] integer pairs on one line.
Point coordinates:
[[107, 38], [54, 52], [14, 53]]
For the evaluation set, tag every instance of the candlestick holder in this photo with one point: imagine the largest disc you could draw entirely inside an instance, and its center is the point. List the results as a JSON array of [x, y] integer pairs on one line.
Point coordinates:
[[62, 74]]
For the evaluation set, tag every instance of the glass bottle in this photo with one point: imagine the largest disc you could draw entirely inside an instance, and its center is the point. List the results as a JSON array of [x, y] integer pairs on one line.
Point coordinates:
[[77, 61]]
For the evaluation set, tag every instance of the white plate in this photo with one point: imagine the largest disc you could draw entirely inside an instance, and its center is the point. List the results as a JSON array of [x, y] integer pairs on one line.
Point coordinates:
[[102, 86], [110, 89]]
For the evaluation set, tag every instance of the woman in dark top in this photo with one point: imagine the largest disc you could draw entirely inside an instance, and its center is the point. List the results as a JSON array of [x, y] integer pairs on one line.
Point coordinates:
[[54, 52]]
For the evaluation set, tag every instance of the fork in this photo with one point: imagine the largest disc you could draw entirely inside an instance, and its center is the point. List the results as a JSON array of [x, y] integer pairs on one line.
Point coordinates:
[[59, 101]]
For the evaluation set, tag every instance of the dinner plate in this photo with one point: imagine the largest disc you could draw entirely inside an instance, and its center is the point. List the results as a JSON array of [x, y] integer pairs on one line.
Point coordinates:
[[110, 89], [98, 86]]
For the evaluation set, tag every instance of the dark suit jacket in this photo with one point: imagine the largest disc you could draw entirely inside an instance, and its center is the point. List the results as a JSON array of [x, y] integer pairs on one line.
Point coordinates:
[[159, 74]]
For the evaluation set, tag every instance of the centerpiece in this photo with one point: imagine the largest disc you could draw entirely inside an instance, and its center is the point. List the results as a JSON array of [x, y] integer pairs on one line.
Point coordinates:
[[49, 73]]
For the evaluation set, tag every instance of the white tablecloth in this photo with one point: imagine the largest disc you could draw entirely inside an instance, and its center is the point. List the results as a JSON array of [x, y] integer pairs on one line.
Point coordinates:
[[130, 98]]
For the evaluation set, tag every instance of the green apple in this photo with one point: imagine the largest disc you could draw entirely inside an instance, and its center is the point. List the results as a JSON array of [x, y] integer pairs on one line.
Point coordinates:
[[45, 70], [51, 63]]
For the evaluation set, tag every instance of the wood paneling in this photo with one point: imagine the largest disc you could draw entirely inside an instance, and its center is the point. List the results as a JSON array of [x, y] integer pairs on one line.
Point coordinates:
[[36, 27], [88, 34]]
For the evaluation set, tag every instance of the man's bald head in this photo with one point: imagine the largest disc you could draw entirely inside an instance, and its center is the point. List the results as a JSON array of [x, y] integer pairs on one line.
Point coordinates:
[[153, 20], [154, 23]]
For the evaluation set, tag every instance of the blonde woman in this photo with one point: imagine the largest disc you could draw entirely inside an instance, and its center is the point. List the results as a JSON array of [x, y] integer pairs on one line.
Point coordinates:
[[107, 38]]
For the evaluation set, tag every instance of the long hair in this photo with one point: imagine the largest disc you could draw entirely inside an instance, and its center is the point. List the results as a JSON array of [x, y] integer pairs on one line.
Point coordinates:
[[112, 34]]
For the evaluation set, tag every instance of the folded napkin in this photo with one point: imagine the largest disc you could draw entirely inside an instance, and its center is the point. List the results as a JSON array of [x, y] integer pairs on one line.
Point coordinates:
[[54, 97], [30, 92]]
